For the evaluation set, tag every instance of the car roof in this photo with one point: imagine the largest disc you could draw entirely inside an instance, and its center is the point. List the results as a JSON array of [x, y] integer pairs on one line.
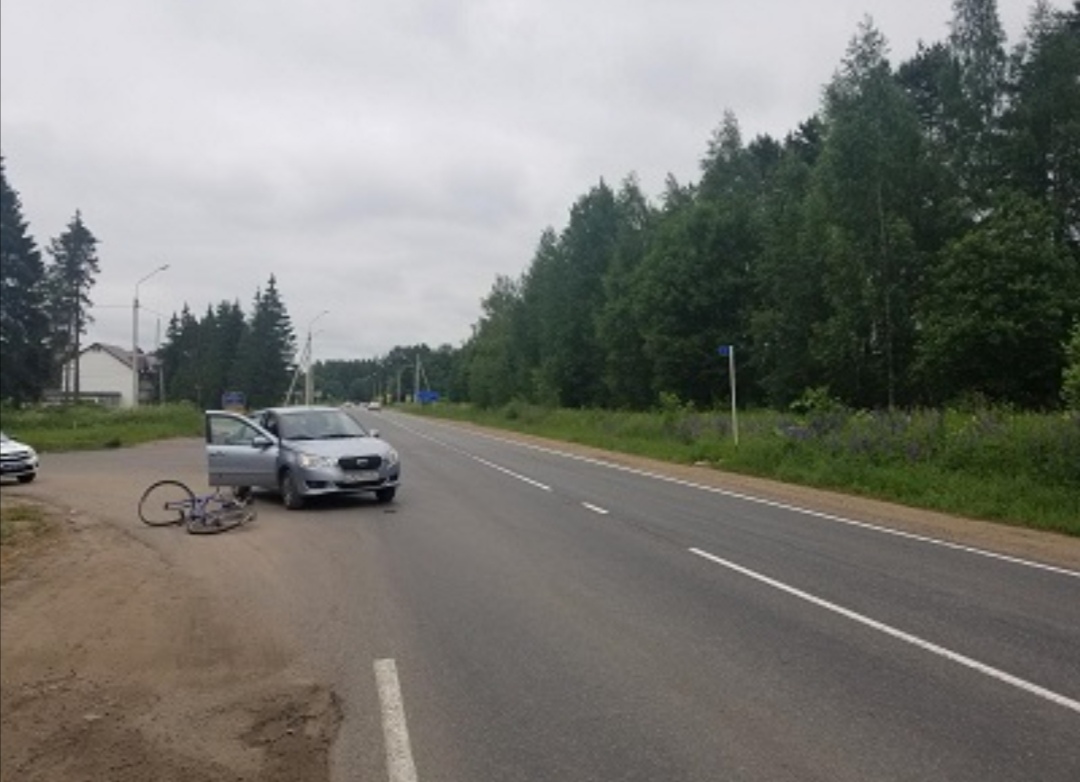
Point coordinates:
[[301, 409]]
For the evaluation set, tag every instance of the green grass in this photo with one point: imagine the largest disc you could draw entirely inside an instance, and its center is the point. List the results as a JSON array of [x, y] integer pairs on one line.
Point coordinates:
[[92, 427], [21, 521], [1016, 468]]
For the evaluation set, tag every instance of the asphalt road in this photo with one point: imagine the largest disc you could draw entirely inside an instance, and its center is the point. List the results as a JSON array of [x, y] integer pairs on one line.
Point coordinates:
[[523, 614]]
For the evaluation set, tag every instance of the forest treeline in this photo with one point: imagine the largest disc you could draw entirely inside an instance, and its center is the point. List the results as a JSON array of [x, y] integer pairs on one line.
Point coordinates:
[[915, 242]]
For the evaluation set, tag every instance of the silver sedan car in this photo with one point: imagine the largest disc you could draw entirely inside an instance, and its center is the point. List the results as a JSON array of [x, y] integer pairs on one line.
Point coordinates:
[[300, 452]]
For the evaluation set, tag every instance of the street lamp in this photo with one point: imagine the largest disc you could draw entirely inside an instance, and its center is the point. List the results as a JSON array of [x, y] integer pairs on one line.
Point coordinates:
[[309, 381], [135, 336]]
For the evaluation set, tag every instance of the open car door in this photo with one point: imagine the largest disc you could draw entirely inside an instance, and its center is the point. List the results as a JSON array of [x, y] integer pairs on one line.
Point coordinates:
[[239, 452]]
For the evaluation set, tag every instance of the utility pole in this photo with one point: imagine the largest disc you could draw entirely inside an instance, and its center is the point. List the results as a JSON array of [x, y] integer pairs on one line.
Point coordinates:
[[135, 337], [309, 380]]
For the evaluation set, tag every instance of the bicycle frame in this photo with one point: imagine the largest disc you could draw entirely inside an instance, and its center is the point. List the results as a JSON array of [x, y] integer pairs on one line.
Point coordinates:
[[170, 502]]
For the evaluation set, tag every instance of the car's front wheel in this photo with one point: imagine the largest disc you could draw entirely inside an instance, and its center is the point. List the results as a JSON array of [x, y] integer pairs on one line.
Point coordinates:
[[26, 478], [290, 492], [385, 495]]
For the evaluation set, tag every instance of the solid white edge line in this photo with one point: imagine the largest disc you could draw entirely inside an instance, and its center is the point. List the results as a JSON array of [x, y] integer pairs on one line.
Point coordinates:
[[399, 760], [773, 504], [595, 508], [983, 668]]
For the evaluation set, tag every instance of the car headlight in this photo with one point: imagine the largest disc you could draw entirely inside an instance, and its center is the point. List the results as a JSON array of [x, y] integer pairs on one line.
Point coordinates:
[[311, 461], [391, 458]]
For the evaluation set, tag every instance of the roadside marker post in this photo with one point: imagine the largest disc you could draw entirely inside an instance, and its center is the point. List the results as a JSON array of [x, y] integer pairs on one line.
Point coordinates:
[[729, 351]]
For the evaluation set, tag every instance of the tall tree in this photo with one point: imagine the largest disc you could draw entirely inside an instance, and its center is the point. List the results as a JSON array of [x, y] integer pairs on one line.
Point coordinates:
[[24, 326], [70, 277], [573, 282], [977, 44], [492, 370], [541, 308], [788, 275], [1042, 123], [184, 359], [626, 377], [266, 358], [867, 176], [229, 327]]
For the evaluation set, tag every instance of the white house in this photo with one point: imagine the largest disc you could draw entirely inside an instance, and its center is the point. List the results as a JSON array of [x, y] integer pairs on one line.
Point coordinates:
[[105, 376]]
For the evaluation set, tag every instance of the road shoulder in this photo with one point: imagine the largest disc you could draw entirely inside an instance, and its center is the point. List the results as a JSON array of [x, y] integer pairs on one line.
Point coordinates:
[[116, 666]]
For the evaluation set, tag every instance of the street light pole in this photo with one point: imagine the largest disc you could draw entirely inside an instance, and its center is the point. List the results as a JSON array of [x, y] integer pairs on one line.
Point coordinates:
[[309, 380], [135, 336]]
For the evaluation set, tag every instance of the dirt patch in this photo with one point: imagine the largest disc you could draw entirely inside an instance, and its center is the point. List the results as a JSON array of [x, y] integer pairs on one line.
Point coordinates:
[[116, 667]]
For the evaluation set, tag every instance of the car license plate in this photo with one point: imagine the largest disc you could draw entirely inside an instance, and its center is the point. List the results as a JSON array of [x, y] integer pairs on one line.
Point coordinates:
[[361, 476]]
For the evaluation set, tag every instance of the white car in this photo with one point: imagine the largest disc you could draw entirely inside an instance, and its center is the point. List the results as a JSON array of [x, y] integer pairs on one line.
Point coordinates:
[[17, 460]]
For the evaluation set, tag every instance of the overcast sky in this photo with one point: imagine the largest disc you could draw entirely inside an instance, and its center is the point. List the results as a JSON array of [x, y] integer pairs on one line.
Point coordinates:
[[384, 160]]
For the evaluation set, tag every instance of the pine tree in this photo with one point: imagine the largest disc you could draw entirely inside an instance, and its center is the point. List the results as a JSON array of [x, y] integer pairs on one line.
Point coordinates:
[[24, 326], [266, 357], [70, 277]]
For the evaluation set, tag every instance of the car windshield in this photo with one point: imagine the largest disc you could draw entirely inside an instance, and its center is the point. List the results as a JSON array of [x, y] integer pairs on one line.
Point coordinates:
[[319, 425]]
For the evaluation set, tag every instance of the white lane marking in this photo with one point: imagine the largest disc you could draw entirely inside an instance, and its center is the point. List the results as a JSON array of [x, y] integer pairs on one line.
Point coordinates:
[[511, 473], [595, 508], [476, 458], [983, 668], [769, 503], [399, 760]]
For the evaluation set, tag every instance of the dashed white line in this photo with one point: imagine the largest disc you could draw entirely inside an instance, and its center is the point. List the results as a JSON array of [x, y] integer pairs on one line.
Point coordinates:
[[595, 508], [770, 503], [476, 458], [399, 761], [983, 668], [511, 473]]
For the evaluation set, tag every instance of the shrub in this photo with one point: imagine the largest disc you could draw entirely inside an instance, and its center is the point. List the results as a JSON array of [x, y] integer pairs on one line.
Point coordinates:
[[1070, 381]]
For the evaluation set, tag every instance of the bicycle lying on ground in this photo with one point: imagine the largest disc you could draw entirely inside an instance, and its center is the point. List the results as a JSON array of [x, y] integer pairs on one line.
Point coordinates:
[[171, 502]]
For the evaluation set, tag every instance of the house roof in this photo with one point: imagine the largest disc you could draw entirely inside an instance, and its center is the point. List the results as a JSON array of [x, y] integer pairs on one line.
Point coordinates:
[[148, 361]]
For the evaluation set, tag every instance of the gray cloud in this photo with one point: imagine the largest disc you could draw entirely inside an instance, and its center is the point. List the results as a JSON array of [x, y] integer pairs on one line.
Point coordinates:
[[385, 161]]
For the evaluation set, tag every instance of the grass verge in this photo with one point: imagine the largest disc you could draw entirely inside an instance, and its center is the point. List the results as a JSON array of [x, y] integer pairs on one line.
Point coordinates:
[[92, 427], [1021, 469]]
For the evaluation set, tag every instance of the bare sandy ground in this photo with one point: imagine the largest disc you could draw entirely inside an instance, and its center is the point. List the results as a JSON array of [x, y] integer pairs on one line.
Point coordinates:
[[116, 667]]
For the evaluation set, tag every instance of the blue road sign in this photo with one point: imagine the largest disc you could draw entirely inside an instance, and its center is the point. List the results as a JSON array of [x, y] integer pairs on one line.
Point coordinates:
[[724, 350], [233, 400]]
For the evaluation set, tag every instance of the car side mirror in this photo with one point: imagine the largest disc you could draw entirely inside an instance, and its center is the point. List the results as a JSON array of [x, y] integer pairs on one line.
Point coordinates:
[[261, 442], [373, 432]]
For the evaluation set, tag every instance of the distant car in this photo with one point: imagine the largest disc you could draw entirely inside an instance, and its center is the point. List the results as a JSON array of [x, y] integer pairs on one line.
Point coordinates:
[[374, 404], [300, 452], [17, 460]]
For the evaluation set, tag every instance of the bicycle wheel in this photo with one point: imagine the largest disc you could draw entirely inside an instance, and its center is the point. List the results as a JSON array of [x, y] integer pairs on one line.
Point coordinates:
[[166, 502]]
